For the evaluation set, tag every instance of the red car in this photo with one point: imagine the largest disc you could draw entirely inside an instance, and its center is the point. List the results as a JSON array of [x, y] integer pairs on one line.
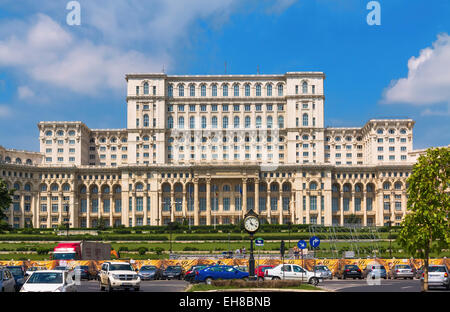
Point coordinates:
[[259, 271]]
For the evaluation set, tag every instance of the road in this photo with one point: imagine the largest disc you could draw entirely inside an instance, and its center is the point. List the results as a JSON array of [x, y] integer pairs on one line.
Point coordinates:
[[146, 286], [333, 285]]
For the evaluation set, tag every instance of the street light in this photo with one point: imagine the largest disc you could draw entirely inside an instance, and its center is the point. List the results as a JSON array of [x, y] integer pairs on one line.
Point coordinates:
[[390, 239]]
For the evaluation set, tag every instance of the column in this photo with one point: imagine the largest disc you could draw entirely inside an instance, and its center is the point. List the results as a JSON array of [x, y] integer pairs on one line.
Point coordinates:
[[292, 205], [208, 201], [49, 211], [196, 202], [100, 206], [280, 207], [363, 207], [244, 196], [88, 209], [172, 205], [308, 208], [256, 204], [379, 208], [328, 212], [133, 209], [341, 208], [111, 206], [392, 206], [319, 207], [34, 210], [269, 213], [184, 203], [22, 210], [159, 214]]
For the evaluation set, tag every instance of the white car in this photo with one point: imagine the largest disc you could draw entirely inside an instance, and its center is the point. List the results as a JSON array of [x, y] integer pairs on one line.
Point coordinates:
[[118, 275], [438, 275], [50, 281], [31, 270], [292, 272]]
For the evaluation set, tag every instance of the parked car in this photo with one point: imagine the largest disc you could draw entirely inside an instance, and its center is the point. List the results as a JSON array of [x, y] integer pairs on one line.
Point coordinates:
[[31, 270], [292, 271], [149, 272], [242, 268], [7, 281], [323, 271], [50, 281], [85, 272], [190, 274], [401, 271], [215, 272], [18, 273], [375, 271], [260, 269], [173, 272], [438, 275], [115, 275], [349, 270]]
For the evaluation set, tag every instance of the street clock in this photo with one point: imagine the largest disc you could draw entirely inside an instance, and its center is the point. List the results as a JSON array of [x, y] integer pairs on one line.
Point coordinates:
[[251, 222]]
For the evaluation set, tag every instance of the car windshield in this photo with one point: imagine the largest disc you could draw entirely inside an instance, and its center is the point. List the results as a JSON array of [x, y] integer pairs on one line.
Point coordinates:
[[173, 268], [16, 271], [45, 278], [64, 256], [120, 267], [148, 268], [403, 266], [436, 269]]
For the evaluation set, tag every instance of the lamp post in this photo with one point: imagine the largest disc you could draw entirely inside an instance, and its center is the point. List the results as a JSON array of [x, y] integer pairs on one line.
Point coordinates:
[[390, 239], [251, 225]]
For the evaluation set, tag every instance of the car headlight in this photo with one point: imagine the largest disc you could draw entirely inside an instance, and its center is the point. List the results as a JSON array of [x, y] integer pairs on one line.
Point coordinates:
[[135, 277], [115, 276]]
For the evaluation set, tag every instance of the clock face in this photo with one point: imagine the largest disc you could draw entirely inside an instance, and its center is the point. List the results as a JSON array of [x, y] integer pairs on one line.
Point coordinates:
[[251, 224]]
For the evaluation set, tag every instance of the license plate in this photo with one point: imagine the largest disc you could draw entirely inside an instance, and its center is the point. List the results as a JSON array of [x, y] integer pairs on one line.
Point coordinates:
[[126, 284], [353, 271]]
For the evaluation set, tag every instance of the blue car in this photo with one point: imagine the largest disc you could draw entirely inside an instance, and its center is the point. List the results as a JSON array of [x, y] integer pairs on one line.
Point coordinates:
[[216, 272]]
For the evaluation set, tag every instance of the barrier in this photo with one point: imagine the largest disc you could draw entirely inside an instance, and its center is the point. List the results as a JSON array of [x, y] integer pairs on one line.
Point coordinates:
[[332, 264]]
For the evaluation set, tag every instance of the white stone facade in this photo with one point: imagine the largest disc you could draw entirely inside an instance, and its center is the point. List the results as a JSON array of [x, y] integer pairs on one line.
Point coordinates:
[[205, 149]]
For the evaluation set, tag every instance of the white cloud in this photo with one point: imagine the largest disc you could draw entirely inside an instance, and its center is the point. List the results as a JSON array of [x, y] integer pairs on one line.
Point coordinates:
[[25, 92], [280, 5], [428, 80], [5, 111]]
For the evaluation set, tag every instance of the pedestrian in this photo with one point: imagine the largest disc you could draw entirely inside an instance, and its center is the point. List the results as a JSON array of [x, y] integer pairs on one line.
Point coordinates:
[[237, 251], [243, 250]]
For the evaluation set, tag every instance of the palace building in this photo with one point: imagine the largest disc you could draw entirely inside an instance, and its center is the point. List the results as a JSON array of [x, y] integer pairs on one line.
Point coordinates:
[[204, 149]]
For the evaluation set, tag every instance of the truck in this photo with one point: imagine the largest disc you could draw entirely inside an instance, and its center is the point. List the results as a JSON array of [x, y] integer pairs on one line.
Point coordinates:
[[82, 250]]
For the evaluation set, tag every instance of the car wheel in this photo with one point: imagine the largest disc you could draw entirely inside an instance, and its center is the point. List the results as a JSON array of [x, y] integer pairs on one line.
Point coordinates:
[[208, 280], [314, 281], [344, 277], [275, 278], [110, 289], [102, 288]]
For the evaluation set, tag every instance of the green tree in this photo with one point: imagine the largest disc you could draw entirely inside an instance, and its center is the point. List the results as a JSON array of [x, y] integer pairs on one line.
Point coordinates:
[[5, 202], [426, 226]]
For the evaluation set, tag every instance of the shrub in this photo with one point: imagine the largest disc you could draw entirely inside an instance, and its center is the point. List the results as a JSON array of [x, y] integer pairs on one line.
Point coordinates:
[[159, 250], [43, 251], [190, 248], [142, 250], [123, 248]]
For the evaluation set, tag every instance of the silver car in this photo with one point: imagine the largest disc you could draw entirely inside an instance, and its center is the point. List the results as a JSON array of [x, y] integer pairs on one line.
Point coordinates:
[[438, 275], [7, 282], [323, 271], [401, 271]]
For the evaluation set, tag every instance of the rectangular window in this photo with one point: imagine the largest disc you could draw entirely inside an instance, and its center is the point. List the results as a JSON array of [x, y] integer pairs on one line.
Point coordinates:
[[313, 203], [106, 205], [139, 203], [118, 205], [262, 204]]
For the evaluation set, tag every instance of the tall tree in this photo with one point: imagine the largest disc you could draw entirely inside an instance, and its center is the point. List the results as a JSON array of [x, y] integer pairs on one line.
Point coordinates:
[[426, 227], [5, 202]]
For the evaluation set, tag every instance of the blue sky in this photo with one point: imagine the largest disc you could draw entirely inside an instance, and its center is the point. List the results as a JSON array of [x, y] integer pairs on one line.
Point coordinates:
[[52, 71]]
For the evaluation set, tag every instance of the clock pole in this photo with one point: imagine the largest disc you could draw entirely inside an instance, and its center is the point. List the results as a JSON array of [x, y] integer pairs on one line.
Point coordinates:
[[251, 261]]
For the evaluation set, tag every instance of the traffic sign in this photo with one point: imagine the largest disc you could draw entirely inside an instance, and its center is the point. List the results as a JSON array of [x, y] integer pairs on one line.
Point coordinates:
[[314, 241], [301, 244], [259, 242]]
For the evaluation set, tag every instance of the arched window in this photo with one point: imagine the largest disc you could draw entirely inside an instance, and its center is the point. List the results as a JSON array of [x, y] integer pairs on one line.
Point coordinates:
[[280, 90], [214, 90], [16, 186], [60, 133], [236, 122], [203, 90], [95, 190], [66, 187], [386, 185], [347, 187], [274, 187], [203, 122], [71, 132], [146, 121], [236, 90], [313, 186], [305, 137], [181, 122], [18, 161], [192, 90], [305, 87], [139, 187], [214, 122], [27, 187], [226, 188], [54, 187], [335, 188], [192, 122], [106, 190], [258, 90], [44, 188], [146, 138], [7, 159], [247, 122], [258, 122], [225, 122], [48, 133], [83, 190], [225, 90], [269, 90], [180, 90], [247, 89], [170, 122], [398, 185], [280, 122], [369, 188], [379, 131], [269, 122], [146, 88], [117, 189], [286, 187], [305, 120]]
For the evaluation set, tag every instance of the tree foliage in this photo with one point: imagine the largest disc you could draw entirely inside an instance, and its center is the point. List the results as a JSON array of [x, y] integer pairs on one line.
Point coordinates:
[[5, 202], [426, 227]]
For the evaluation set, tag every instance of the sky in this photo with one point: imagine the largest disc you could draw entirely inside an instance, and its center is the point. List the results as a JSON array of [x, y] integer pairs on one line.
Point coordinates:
[[52, 70]]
